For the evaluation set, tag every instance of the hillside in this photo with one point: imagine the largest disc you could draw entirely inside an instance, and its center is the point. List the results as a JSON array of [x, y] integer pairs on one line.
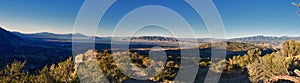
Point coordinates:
[[9, 41], [231, 46]]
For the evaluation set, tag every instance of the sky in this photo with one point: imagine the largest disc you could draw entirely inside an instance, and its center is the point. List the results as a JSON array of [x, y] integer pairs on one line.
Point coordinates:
[[241, 18]]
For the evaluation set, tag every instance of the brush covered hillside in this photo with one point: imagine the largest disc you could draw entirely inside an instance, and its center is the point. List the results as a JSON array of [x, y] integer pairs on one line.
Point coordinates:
[[277, 67], [231, 46], [234, 48], [9, 41]]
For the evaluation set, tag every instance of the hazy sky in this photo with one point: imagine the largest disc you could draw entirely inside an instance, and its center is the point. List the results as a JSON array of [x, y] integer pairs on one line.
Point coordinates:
[[241, 17]]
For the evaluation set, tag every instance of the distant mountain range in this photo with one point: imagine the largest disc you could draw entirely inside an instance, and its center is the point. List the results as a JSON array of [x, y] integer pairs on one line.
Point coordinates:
[[48, 35], [274, 41], [16, 38], [265, 38], [154, 38]]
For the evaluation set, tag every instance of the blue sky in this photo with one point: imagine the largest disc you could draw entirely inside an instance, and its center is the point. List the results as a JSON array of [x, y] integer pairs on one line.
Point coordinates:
[[241, 17]]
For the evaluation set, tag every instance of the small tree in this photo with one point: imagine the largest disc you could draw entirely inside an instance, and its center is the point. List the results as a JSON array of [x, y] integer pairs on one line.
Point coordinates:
[[14, 73], [43, 76], [218, 67], [268, 66], [290, 48], [63, 71], [238, 62]]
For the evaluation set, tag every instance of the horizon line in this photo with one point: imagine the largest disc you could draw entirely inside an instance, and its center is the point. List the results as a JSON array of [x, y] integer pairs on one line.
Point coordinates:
[[149, 35]]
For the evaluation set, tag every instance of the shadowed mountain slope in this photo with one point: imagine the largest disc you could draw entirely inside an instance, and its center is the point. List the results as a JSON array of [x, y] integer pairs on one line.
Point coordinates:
[[9, 41]]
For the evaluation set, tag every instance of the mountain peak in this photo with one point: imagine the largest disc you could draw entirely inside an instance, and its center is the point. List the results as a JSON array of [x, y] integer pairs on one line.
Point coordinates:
[[2, 29]]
